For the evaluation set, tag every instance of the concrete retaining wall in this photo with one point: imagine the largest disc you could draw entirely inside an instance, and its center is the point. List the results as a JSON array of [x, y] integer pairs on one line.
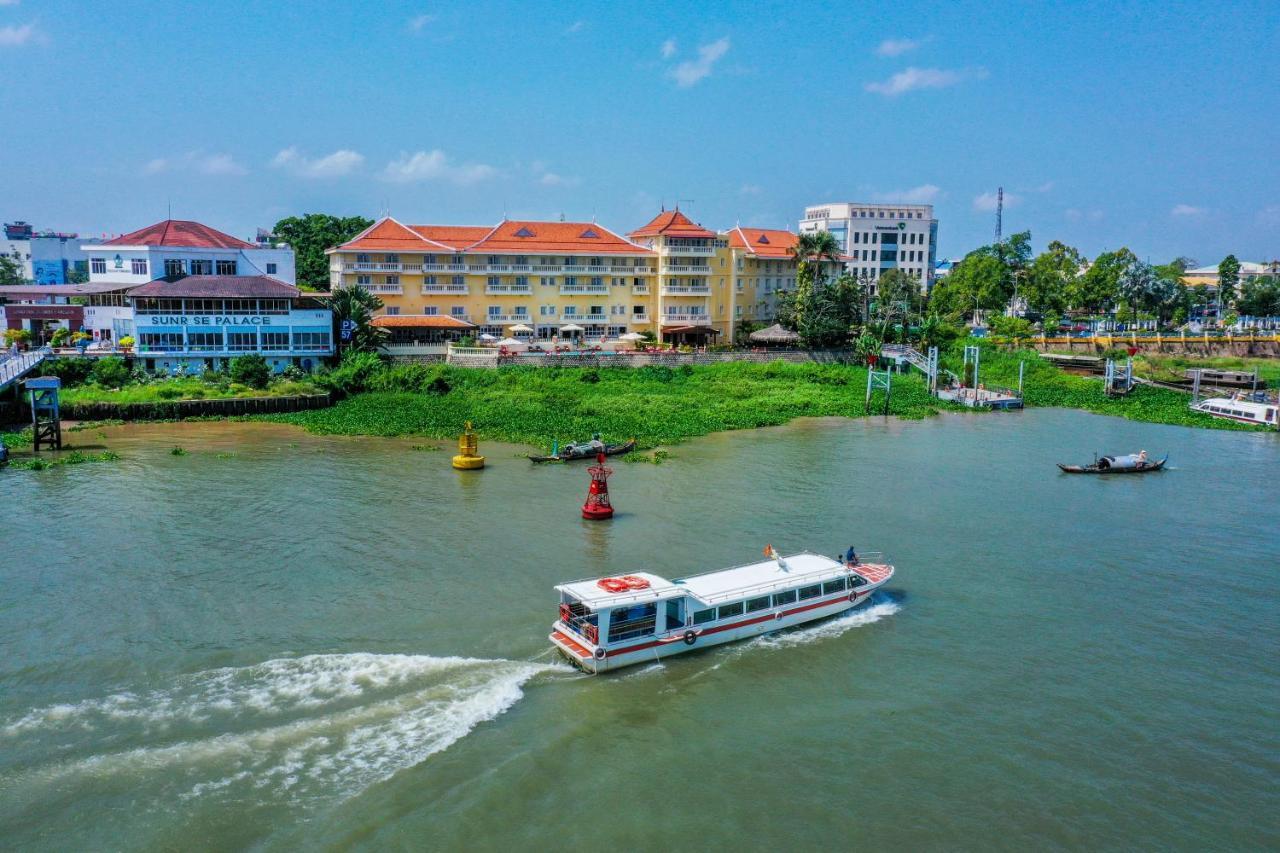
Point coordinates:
[[675, 359]]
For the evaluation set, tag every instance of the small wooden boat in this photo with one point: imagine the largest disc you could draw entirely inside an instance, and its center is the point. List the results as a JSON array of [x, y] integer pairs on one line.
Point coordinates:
[[1134, 463], [584, 451]]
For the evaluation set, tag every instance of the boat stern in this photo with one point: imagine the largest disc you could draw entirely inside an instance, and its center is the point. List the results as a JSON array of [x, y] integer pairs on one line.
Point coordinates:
[[575, 648]]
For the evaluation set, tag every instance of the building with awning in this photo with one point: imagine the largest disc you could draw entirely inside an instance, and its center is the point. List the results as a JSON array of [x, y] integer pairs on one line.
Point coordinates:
[[408, 331]]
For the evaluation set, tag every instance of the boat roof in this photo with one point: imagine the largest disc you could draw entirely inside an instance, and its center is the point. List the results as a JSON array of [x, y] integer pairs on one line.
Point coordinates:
[[710, 587]]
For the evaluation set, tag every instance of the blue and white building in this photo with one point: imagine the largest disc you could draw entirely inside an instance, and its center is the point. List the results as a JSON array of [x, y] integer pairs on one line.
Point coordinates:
[[879, 237]]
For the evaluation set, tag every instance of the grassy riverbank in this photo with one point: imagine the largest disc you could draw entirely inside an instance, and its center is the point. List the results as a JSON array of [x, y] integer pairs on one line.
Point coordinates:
[[659, 405], [656, 405], [181, 388]]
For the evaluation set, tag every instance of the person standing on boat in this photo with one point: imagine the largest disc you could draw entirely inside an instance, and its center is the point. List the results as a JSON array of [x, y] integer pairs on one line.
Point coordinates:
[[851, 557], [596, 444]]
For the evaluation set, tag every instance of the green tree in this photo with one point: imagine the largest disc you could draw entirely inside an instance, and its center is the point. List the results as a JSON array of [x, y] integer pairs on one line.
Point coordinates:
[[810, 310], [250, 369], [309, 235], [1260, 297], [110, 372], [1228, 278], [356, 304], [1099, 287], [10, 271], [1049, 277]]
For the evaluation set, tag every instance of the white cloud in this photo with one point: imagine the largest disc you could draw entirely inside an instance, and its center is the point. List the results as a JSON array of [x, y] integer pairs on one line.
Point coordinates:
[[923, 194], [897, 47], [196, 161], [576, 27], [13, 36], [8, 2], [986, 203], [434, 165], [551, 179], [1186, 210], [750, 189], [341, 162], [668, 48], [419, 22], [1074, 214], [691, 71], [924, 78]]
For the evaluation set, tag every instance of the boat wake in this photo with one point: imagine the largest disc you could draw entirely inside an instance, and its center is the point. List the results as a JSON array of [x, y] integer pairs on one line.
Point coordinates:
[[867, 614], [305, 728]]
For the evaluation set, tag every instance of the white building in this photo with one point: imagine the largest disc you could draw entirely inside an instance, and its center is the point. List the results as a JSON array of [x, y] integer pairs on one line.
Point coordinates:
[[879, 237], [45, 257], [175, 248]]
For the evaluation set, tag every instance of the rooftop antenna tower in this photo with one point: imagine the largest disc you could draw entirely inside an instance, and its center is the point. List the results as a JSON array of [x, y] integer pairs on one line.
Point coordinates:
[[999, 213]]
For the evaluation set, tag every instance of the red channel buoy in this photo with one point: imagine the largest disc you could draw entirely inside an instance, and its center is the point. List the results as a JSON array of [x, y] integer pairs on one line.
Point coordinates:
[[597, 505]]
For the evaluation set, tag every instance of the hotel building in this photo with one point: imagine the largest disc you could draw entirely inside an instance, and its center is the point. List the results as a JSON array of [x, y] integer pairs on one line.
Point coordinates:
[[176, 247], [879, 237], [671, 277]]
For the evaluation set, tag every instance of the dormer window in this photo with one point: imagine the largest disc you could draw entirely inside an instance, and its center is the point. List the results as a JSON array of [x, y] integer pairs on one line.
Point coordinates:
[[763, 239], [590, 234], [524, 232]]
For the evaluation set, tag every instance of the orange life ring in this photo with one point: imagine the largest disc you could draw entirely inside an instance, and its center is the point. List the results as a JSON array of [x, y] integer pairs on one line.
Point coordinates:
[[634, 582], [612, 584]]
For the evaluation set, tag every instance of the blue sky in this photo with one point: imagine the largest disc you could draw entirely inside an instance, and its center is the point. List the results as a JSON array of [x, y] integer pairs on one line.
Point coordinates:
[[1152, 125]]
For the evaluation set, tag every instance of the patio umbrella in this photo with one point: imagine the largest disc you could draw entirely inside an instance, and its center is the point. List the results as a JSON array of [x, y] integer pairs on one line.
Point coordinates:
[[572, 328], [631, 336], [509, 342], [520, 327], [487, 337]]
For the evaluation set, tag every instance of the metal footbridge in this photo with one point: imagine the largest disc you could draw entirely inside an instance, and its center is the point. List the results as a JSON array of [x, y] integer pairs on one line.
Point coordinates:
[[926, 364], [14, 367]]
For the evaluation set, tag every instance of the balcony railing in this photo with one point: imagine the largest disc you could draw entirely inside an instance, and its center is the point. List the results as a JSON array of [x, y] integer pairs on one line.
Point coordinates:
[[382, 267], [384, 288], [492, 319], [639, 290], [685, 318], [583, 288], [689, 269], [639, 318], [507, 288], [685, 290], [445, 288], [690, 250]]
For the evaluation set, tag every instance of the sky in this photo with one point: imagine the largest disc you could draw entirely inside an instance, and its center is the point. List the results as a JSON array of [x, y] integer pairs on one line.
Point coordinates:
[[1147, 125]]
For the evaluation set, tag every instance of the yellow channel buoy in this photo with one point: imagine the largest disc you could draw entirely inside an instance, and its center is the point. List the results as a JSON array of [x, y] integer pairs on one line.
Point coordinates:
[[468, 459]]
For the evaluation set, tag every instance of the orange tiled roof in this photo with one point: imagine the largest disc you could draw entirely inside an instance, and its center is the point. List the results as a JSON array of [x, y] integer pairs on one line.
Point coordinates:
[[763, 242], [420, 321], [569, 238], [179, 232], [390, 236], [453, 236], [671, 223]]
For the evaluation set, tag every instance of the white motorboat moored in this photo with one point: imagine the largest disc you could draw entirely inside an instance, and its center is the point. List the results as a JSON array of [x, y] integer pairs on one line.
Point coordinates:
[[609, 623], [1239, 407]]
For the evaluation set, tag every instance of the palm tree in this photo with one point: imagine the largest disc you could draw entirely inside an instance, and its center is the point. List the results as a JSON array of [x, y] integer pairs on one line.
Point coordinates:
[[357, 305], [808, 306], [815, 247]]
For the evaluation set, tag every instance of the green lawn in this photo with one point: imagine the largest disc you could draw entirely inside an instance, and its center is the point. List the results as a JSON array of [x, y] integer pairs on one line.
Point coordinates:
[[185, 388]]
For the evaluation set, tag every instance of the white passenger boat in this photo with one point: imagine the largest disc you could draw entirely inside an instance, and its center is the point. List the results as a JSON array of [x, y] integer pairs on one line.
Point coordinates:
[[609, 623], [1239, 407]]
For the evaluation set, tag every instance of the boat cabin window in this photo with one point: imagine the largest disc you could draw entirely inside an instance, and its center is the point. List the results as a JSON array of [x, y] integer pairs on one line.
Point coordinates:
[[755, 604], [832, 587], [858, 580], [635, 621], [702, 617], [810, 591], [731, 610], [782, 598]]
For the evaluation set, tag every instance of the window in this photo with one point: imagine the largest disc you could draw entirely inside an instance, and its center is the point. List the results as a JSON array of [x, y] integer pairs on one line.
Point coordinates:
[[275, 340], [160, 341], [271, 269], [362, 258], [781, 598], [522, 311], [138, 266], [832, 587], [597, 281], [226, 267], [173, 268], [393, 310], [522, 281], [311, 341], [731, 610], [675, 613], [702, 617], [570, 311], [430, 311], [459, 280], [547, 310], [364, 280], [393, 279], [628, 622], [201, 266], [493, 281], [242, 341], [495, 311], [393, 258], [458, 311], [808, 592], [204, 341], [98, 265], [757, 604]]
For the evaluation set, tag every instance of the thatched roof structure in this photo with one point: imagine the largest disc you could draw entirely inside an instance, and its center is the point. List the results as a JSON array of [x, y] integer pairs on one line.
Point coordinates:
[[775, 335]]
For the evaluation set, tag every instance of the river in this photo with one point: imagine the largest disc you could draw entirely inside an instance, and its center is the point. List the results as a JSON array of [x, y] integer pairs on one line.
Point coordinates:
[[278, 640]]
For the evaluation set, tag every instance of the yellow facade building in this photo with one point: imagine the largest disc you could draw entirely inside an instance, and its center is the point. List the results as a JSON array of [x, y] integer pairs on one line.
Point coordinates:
[[566, 280]]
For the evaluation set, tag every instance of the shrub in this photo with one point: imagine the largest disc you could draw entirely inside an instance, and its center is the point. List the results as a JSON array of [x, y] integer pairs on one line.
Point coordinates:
[[72, 371], [16, 336], [126, 341], [211, 377], [354, 375], [169, 393], [439, 385], [591, 377], [60, 337], [294, 373], [250, 369], [110, 372]]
